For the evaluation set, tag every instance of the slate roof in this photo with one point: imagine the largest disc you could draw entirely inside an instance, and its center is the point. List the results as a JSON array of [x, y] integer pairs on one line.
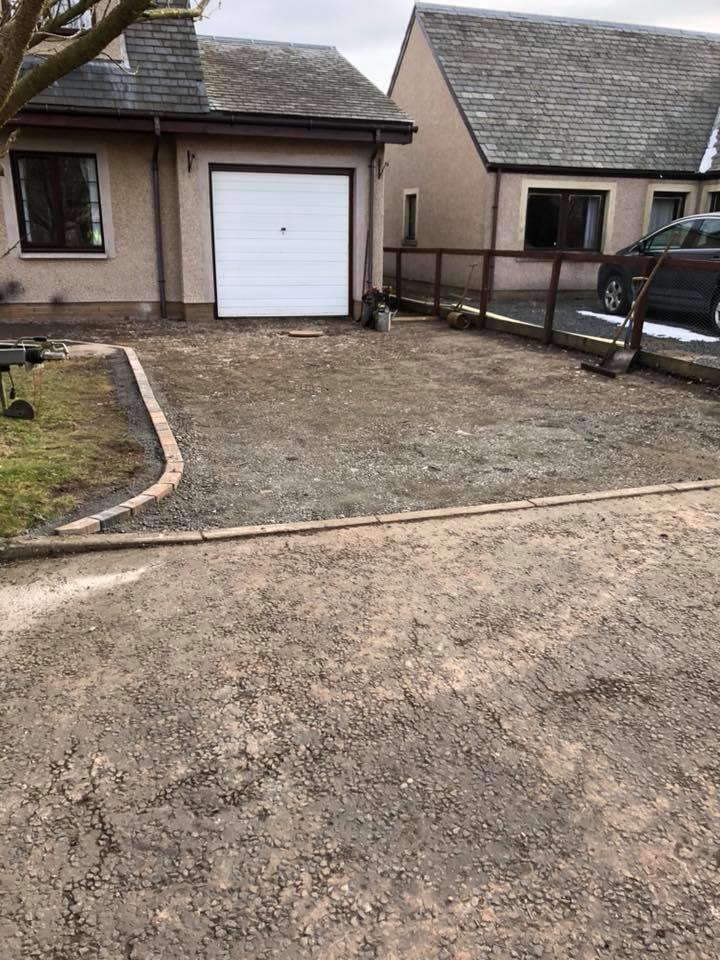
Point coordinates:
[[558, 92], [164, 76], [260, 77], [172, 72]]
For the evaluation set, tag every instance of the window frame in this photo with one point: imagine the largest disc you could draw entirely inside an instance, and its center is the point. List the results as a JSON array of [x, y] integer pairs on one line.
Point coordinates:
[[407, 239], [713, 201], [565, 194], [30, 246], [76, 26], [680, 198]]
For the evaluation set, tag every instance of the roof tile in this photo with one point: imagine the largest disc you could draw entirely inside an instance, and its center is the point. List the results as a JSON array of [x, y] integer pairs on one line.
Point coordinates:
[[612, 96]]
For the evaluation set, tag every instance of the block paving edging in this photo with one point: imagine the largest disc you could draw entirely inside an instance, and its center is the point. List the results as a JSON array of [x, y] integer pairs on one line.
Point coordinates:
[[167, 482], [52, 546]]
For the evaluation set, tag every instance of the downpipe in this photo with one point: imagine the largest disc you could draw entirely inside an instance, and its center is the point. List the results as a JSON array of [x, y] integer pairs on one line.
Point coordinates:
[[159, 246]]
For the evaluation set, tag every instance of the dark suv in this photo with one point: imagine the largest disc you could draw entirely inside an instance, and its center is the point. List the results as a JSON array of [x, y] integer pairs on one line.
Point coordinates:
[[685, 291]]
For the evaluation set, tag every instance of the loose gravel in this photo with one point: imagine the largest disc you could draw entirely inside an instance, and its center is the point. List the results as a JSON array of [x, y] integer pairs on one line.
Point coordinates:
[[276, 429], [482, 738]]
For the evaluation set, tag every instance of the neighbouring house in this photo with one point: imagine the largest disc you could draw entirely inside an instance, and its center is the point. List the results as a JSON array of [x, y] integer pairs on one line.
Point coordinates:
[[194, 176], [547, 134]]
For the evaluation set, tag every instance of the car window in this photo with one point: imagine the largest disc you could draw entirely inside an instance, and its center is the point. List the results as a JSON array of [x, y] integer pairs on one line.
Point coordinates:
[[704, 234], [675, 236]]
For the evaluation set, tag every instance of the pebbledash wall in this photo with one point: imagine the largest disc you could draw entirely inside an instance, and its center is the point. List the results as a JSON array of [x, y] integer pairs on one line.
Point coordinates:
[[456, 192], [123, 281]]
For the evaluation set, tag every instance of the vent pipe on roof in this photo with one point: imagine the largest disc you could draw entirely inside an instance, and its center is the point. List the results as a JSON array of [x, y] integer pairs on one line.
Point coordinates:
[[159, 248]]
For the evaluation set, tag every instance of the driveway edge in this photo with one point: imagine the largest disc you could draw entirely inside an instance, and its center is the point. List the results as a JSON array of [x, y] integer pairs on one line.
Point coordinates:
[[167, 482], [44, 547]]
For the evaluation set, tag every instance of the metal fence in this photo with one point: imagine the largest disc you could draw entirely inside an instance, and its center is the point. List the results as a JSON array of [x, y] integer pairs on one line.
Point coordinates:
[[678, 312]]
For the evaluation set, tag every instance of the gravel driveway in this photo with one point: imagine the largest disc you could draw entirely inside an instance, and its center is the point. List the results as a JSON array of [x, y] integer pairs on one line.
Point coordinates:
[[481, 738]]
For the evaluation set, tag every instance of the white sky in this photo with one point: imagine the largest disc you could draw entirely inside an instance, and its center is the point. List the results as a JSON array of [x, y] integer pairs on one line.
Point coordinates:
[[369, 33]]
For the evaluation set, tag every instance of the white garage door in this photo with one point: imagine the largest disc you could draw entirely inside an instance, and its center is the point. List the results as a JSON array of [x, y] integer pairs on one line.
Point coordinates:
[[281, 243]]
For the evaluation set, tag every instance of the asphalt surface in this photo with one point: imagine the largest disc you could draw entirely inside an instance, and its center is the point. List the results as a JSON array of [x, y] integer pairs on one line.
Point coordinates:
[[489, 737]]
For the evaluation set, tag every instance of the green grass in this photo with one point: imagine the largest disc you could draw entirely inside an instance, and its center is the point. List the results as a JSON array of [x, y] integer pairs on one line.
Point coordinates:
[[78, 444]]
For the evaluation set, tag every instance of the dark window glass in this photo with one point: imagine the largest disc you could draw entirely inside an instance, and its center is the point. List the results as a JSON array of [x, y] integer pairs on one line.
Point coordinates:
[[704, 234], [676, 237], [714, 202], [666, 207], [561, 220], [410, 216], [542, 225], [58, 202]]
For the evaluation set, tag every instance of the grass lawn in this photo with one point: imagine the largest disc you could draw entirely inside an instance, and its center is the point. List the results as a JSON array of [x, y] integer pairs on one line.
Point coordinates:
[[77, 445]]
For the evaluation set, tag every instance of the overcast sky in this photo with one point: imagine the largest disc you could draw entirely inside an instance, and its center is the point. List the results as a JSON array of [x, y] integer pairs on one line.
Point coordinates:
[[369, 32]]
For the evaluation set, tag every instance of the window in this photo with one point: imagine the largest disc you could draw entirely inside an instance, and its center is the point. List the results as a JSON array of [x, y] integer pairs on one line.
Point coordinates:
[[58, 202], [676, 237], [564, 220], [82, 21], [410, 218], [704, 234], [714, 202], [666, 207]]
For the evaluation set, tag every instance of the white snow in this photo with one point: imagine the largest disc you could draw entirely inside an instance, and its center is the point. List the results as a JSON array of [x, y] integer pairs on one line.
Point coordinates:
[[657, 329], [712, 147]]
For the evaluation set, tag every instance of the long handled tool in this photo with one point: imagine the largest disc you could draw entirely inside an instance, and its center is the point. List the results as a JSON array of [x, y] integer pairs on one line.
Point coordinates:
[[617, 360], [456, 318]]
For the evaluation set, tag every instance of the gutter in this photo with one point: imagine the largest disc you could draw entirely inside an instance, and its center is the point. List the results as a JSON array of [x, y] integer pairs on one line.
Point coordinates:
[[157, 211], [40, 115]]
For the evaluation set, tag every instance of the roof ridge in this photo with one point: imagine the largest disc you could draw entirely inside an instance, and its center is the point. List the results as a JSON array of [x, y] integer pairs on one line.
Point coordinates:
[[267, 43], [571, 21]]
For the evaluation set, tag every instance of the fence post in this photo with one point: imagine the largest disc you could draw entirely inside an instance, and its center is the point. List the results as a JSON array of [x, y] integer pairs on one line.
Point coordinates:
[[398, 277], [552, 299], [638, 320], [438, 279], [485, 287]]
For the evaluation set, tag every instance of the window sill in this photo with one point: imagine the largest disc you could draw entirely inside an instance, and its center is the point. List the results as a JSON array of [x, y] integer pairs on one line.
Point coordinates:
[[409, 243], [49, 255]]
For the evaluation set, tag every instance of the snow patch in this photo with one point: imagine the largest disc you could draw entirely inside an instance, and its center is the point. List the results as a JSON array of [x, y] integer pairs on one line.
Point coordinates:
[[712, 147], [659, 330]]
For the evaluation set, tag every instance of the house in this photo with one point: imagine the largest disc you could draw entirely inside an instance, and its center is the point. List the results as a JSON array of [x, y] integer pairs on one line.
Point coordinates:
[[190, 176], [546, 134]]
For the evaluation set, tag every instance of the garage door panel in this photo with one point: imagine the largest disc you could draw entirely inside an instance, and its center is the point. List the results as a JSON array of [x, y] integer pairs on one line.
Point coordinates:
[[281, 243]]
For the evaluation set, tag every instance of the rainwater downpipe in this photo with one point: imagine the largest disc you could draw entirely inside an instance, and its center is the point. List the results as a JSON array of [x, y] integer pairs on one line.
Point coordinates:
[[371, 214], [159, 248], [494, 227]]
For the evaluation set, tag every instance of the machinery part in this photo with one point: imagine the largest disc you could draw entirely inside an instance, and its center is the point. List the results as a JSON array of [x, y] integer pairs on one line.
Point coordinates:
[[456, 318], [20, 410]]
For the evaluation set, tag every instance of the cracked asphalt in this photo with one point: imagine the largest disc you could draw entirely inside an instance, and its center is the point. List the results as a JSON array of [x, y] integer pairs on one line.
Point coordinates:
[[485, 737]]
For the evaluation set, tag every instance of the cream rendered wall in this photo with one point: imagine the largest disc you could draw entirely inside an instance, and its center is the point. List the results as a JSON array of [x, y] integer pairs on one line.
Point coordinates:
[[455, 192], [194, 199], [627, 209], [127, 272]]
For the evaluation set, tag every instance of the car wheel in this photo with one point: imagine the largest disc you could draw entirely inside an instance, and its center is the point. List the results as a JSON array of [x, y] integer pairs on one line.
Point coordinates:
[[615, 295], [714, 315]]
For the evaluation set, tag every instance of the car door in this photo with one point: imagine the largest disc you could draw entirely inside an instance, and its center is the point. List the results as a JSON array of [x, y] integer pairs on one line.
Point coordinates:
[[664, 293], [695, 289]]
